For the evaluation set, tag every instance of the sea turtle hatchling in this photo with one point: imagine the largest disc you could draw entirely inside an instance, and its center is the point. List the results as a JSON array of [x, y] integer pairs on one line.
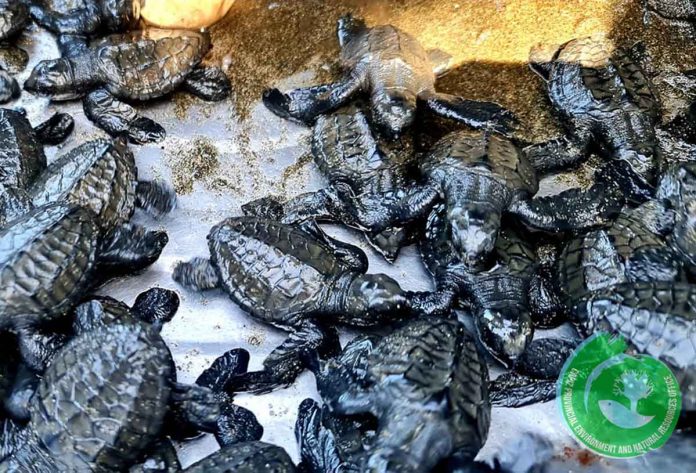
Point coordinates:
[[106, 397], [370, 188], [426, 384], [603, 98], [297, 278], [135, 66], [392, 67]]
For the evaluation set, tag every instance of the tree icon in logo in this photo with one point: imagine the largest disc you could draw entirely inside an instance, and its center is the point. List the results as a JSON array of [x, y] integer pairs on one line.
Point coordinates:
[[633, 385]]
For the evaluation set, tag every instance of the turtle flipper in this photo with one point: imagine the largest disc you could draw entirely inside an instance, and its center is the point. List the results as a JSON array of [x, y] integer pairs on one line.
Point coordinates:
[[86, 19], [351, 255], [266, 207], [131, 248], [573, 210], [619, 174], [72, 45], [14, 203], [155, 198], [544, 358], [286, 361], [208, 83], [516, 390], [472, 113], [156, 305], [304, 105], [557, 154], [24, 387], [38, 348], [318, 450], [193, 409], [118, 118], [198, 274], [9, 88], [12, 438], [55, 130], [235, 424]]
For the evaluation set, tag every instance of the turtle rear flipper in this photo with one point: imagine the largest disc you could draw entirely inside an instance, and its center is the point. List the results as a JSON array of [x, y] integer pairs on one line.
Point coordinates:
[[306, 104], [573, 210], [55, 130], [473, 113], [317, 444], [208, 83], [516, 390], [286, 361], [264, 207], [9, 88], [155, 198], [559, 153], [131, 248], [156, 305], [198, 274], [118, 118]]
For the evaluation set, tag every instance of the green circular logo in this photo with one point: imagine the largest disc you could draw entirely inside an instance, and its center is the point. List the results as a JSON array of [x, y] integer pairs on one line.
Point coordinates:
[[615, 404]]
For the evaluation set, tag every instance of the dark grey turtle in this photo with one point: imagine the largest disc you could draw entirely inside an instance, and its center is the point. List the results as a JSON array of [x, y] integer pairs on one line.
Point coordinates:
[[247, 457], [105, 399], [604, 99], [296, 278], [498, 292], [398, 74], [370, 188], [136, 66], [656, 318], [426, 384]]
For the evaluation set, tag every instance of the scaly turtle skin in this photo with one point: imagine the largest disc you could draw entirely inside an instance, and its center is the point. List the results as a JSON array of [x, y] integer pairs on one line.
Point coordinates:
[[104, 400], [369, 188], [603, 98], [84, 17], [248, 457], [499, 294], [391, 67], [14, 16], [426, 384], [140, 65], [656, 318], [297, 278]]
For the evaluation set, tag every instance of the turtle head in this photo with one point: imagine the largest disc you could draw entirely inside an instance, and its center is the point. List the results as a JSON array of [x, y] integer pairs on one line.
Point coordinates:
[[374, 298], [393, 112], [505, 332], [473, 233], [541, 59], [54, 78]]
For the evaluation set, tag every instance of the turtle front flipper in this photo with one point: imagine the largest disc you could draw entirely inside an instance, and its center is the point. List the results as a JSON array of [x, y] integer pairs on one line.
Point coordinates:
[[559, 153], [55, 130], [208, 83], [14, 203], [349, 254], [620, 174], [155, 306], [130, 248], [318, 445], [473, 113], [155, 198], [287, 361], [38, 348], [9, 88], [197, 274], [73, 45], [516, 390], [192, 409], [85, 18], [118, 118], [235, 424], [573, 210], [25, 385], [305, 105]]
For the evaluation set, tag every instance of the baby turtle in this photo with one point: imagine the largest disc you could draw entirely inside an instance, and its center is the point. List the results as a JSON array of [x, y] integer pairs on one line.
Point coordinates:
[[297, 278], [426, 384], [369, 188], [656, 318], [498, 294], [603, 99], [105, 399], [247, 457], [398, 74], [140, 65]]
